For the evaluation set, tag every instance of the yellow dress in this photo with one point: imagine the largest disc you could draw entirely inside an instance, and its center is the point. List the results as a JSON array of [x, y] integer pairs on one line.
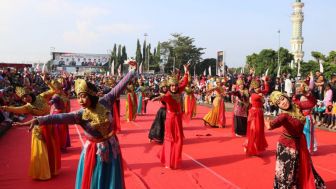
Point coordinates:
[[212, 117], [39, 162]]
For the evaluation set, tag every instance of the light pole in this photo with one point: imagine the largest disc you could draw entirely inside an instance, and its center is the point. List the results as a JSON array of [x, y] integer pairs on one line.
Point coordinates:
[[146, 54], [278, 74]]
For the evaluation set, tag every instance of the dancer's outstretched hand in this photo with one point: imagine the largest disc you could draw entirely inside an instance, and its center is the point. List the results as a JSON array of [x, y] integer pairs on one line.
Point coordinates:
[[33, 123], [186, 67]]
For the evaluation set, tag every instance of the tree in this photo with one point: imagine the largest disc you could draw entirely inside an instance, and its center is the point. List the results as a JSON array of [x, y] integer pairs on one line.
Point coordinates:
[[332, 57], [138, 56], [318, 56], [268, 59], [181, 49]]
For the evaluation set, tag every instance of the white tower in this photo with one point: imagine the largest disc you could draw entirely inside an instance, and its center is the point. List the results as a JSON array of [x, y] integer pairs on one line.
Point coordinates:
[[297, 39]]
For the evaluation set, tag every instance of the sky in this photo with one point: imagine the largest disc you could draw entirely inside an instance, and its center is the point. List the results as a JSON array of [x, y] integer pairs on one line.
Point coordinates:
[[30, 29]]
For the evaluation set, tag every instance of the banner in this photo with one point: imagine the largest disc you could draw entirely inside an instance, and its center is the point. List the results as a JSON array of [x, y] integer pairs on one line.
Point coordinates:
[[79, 59], [220, 63]]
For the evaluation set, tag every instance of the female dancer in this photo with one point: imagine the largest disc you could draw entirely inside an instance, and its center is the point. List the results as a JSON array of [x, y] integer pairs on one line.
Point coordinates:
[[131, 103], [100, 164], [45, 156], [156, 131], [302, 88], [256, 141], [294, 167], [60, 102], [171, 153], [216, 116], [189, 102], [240, 108]]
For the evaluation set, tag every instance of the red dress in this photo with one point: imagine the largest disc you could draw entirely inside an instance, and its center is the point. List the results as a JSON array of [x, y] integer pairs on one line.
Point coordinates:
[[294, 167], [256, 141], [171, 153]]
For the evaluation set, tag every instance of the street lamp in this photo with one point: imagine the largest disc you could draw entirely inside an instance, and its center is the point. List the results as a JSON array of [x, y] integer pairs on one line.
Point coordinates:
[[278, 74], [146, 53]]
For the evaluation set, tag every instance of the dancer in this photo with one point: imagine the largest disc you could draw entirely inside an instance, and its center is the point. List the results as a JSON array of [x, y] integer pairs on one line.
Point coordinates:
[[216, 116], [171, 152], [240, 108], [59, 102], [100, 164], [309, 127], [131, 103], [256, 141], [141, 94], [156, 131], [294, 167], [189, 110], [45, 156]]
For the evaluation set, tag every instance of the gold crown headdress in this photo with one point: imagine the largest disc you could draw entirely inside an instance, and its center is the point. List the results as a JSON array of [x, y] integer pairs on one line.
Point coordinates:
[[163, 83], [274, 97], [218, 80], [172, 80], [21, 91], [110, 82], [81, 87], [56, 84], [240, 81], [255, 84]]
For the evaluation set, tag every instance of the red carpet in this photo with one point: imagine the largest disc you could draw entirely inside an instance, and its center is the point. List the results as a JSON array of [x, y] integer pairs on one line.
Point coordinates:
[[215, 161]]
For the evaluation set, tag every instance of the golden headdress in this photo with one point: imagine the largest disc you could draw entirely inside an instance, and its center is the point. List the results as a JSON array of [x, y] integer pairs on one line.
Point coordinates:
[[81, 87], [274, 97], [163, 83], [218, 80], [56, 84], [255, 84], [173, 80], [110, 82], [21, 91], [223, 80], [240, 81]]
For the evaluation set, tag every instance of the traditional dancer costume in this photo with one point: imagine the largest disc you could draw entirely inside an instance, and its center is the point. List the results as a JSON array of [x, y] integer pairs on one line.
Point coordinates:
[[100, 164], [156, 131], [216, 116], [45, 158], [171, 152], [294, 167], [240, 108], [302, 87], [131, 103], [256, 141], [189, 110], [60, 102]]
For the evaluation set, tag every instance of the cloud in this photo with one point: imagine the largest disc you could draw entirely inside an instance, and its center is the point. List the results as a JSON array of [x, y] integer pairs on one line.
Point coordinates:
[[83, 35], [118, 28]]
